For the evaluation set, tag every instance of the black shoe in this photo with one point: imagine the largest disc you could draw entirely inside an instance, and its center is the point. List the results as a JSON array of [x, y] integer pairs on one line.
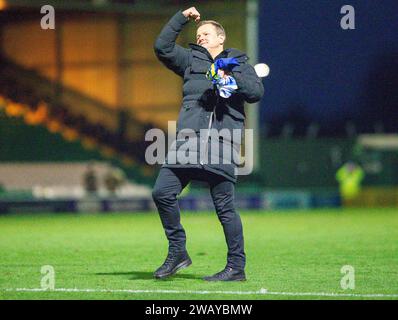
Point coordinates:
[[228, 274], [174, 262]]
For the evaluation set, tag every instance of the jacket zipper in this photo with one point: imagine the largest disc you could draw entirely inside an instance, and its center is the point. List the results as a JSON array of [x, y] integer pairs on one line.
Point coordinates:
[[209, 127], [211, 116]]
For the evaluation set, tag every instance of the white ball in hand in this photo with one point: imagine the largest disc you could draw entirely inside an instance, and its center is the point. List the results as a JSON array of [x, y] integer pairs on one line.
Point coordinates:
[[262, 70]]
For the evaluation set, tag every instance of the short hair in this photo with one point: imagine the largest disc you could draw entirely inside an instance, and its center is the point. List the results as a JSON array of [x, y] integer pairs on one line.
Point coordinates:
[[219, 28]]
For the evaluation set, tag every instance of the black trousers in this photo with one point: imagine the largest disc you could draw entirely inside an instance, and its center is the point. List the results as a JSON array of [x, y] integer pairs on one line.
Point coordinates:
[[171, 182]]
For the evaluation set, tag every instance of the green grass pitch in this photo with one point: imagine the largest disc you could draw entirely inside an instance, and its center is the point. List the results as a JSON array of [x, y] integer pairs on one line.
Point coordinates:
[[288, 252]]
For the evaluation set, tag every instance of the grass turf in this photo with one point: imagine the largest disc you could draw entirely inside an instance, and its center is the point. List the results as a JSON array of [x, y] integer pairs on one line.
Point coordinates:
[[291, 251]]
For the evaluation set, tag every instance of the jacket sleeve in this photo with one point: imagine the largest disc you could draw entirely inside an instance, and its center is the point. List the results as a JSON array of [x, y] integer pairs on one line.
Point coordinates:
[[168, 52], [249, 84]]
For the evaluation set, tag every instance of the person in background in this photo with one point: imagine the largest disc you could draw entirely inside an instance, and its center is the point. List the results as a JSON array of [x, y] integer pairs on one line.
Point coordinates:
[[114, 179], [350, 177], [90, 180]]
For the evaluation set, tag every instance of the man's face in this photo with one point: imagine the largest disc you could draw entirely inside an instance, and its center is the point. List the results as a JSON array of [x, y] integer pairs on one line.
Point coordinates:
[[206, 36]]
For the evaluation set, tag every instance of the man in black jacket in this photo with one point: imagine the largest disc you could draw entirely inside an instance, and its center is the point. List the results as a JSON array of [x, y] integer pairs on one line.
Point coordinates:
[[197, 154]]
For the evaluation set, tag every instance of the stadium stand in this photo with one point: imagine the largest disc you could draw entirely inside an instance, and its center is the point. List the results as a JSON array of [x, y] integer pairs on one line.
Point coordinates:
[[27, 94], [61, 180]]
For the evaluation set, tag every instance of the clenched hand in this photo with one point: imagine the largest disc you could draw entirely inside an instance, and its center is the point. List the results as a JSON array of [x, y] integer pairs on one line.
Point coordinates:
[[192, 13]]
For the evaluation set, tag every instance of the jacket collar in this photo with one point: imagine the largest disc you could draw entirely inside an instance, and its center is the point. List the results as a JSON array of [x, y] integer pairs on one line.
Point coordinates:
[[231, 52]]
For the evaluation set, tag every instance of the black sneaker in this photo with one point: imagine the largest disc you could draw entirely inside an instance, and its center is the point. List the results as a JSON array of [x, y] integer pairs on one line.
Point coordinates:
[[175, 261], [228, 274]]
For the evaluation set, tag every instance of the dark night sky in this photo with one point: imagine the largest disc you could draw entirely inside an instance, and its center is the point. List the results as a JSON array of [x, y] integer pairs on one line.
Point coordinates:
[[320, 72]]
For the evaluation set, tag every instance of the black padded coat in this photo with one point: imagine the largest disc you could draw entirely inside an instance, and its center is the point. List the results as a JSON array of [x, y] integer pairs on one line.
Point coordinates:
[[202, 108]]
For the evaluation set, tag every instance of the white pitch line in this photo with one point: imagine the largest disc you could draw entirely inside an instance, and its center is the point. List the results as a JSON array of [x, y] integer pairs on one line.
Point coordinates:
[[260, 292]]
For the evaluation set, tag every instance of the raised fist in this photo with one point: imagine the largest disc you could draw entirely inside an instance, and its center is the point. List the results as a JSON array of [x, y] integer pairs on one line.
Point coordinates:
[[192, 13]]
